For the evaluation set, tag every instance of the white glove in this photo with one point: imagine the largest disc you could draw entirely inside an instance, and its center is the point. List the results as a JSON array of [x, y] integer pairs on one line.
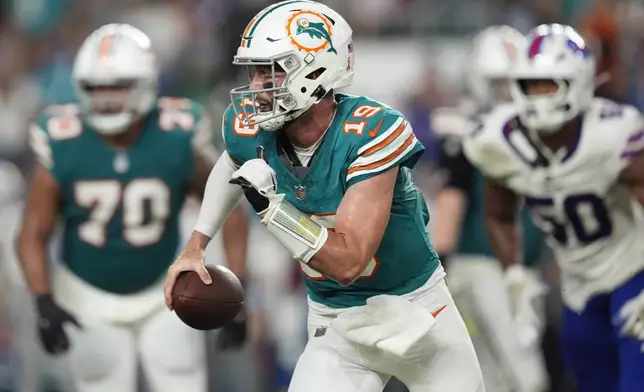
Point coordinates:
[[632, 314], [295, 230], [523, 291], [259, 183]]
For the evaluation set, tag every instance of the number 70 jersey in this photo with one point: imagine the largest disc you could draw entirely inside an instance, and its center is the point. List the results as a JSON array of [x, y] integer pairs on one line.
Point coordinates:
[[594, 223], [119, 208]]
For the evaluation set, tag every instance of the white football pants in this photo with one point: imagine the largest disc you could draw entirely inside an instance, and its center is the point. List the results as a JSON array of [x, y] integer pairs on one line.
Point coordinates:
[[119, 332], [508, 364], [34, 367], [332, 364]]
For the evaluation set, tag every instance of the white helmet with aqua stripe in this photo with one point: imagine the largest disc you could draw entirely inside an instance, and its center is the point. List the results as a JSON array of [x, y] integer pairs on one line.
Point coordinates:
[[490, 62], [115, 76], [304, 48]]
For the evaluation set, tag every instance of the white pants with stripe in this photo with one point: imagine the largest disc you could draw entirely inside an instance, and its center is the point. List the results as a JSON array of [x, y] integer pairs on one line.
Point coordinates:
[[332, 364]]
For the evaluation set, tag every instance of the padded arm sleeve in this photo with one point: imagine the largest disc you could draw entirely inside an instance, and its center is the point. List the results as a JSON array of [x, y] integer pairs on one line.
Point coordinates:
[[220, 198]]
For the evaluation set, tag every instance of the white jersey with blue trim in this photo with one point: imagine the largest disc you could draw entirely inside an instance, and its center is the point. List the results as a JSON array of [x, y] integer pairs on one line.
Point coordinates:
[[595, 224]]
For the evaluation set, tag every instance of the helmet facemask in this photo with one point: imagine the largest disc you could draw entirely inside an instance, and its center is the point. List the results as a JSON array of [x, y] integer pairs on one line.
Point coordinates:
[[267, 100], [546, 104], [553, 81], [110, 108], [115, 78]]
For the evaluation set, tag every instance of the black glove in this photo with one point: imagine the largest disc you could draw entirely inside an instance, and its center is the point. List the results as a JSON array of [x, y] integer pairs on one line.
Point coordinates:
[[51, 319], [258, 201], [233, 335]]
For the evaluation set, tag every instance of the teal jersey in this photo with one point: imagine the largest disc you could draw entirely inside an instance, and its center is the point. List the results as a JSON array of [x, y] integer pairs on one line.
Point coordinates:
[[474, 239], [120, 207], [364, 139]]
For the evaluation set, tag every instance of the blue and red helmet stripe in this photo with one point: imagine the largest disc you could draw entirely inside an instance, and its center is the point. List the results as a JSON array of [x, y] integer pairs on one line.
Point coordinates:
[[535, 46], [582, 50], [577, 47]]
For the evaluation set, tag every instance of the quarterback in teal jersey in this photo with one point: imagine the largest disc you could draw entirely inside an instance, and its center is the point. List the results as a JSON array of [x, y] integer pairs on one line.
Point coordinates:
[[117, 169], [493, 302], [329, 175]]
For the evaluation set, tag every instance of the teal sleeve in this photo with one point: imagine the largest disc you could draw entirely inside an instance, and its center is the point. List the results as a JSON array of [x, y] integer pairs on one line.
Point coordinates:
[[388, 142]]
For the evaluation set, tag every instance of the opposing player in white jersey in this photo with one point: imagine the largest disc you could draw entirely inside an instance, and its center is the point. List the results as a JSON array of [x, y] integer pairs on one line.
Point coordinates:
[[503, 322], [577, 162]]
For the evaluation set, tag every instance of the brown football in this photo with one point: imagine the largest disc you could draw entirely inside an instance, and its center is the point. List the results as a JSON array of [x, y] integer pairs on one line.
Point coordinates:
[[205, 307]]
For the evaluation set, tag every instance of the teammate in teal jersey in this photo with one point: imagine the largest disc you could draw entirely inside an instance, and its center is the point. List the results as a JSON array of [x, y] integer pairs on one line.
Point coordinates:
[[329, 175], [116, 169], [488, 298]]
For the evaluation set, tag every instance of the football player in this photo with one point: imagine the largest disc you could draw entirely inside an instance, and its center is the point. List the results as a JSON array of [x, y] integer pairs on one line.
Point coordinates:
[[477, 281], [576, 161], [32, 369], [116, 169], [329, 175]]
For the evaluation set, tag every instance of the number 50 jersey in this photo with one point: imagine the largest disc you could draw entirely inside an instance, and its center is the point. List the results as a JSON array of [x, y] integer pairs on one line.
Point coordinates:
[[594, 223]]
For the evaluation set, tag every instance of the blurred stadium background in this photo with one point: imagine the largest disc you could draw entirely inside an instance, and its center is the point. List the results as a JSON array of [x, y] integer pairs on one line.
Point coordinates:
[[410, 54]]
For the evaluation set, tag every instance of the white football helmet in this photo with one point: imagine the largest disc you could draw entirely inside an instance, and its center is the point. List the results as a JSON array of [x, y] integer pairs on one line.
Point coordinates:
[[120, 57], [311, 43], [493, 53], [556, 53]]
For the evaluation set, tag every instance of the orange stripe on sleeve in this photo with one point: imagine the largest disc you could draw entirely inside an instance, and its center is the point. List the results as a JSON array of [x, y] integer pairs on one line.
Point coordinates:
[[386, 141], [385, 160]]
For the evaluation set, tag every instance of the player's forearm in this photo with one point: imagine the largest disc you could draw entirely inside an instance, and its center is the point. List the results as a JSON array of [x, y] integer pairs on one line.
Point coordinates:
[[220, 197], [197, 242], [450, 206], [501, 217], [338, 260], [504, 237], [235, 235], [32, 253]]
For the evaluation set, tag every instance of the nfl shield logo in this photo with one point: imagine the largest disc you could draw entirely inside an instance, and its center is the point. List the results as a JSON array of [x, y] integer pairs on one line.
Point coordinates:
[[121, 162], [320, 331], [300, 192]]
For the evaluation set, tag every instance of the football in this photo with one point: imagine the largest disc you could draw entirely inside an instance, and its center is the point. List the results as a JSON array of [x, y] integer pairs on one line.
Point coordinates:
[[206, 307]]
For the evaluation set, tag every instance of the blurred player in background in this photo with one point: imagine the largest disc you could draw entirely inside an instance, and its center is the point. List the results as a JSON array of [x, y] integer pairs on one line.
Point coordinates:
[[499, 306], [347, 209], [577, 160], [117, 167], [32, 369]]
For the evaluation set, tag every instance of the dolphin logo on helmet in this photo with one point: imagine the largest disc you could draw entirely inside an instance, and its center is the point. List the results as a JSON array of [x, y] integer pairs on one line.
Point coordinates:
[[314, 30]]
